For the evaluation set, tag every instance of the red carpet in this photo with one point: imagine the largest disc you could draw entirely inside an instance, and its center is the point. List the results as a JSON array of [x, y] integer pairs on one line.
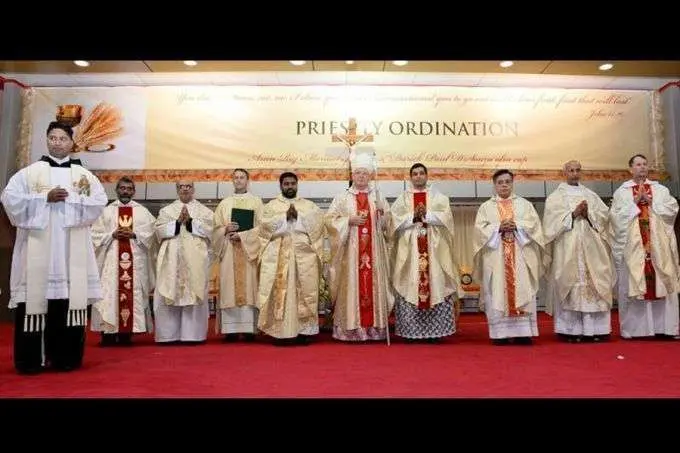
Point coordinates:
[[465, 365]]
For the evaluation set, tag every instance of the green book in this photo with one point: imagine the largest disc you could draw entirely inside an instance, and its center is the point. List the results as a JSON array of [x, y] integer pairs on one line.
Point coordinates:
[[244, 218]]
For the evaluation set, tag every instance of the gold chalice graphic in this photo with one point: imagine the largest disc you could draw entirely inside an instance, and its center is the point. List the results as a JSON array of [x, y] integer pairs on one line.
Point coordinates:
[[70, 114]]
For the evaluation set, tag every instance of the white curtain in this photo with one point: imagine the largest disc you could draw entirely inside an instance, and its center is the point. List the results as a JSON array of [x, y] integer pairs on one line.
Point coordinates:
[[11, 105], [464, 226]]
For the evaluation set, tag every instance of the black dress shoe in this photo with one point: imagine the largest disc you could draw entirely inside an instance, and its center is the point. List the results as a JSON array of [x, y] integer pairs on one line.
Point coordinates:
[[108, 340], [231, 338], [302, 340], [282, 341], [30, 370], [569, 338], [65, 367], [125, 339], [249, 337], [500, 341]]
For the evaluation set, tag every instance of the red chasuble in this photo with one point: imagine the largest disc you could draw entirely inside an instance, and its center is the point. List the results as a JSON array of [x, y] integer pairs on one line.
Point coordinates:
[[420, 199], [645, 230], [125, 273], [365, 261]]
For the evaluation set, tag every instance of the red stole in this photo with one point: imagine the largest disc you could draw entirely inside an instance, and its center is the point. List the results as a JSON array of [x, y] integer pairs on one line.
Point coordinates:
[[506, 212], [125, 273], [420, 198], [645, 230], [365, 261]]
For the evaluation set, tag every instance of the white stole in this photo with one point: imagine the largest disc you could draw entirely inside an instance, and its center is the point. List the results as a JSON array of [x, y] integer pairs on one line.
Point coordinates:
[[38, 179]]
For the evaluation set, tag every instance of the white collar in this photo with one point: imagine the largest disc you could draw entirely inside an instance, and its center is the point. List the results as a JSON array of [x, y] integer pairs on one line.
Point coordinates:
[[59, 161]]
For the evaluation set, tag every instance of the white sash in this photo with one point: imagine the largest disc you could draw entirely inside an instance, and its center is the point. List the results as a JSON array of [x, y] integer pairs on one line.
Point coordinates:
[[37, 261]]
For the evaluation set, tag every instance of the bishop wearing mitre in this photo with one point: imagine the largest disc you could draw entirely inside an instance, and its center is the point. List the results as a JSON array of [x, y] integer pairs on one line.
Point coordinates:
[[357, 222]]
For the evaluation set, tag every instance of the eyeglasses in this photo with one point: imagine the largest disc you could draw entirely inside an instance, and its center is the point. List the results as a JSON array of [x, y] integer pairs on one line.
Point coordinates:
[[185, 186]]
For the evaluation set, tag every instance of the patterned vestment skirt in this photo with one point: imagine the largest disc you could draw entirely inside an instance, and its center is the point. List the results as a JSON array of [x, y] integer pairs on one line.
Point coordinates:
[[435, 322]]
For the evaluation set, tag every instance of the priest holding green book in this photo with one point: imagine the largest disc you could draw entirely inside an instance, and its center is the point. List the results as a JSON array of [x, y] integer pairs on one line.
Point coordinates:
[[236, 217]]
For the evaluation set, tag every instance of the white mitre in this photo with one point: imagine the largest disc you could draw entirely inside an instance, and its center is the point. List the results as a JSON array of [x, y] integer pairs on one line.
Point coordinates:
[[364, 160]]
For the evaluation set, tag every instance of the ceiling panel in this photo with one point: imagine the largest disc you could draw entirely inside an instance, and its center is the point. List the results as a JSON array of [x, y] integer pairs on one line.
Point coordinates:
[[429, 78], [647, 68], [364, 65], [361, 69], [379, 78], [620, 69], [106, 79], [173, 78], [544, 81], [112, 66], [313, 78], [67, 66], [637, 83], [341, 78], [528, 67], [227, 66], [44, 80], [575, 68]]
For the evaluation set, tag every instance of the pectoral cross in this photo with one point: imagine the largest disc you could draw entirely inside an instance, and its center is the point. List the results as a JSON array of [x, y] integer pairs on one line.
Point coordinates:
[[351, 139]]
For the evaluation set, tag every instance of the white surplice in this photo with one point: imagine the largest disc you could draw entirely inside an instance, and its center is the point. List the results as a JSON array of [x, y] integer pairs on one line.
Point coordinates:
[[25, 201]]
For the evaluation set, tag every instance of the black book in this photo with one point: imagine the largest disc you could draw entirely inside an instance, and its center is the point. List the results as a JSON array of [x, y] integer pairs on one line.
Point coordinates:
[[244, 218]]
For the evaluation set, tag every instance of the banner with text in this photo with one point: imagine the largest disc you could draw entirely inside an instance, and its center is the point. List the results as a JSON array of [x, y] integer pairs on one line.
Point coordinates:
[[151, 130]]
